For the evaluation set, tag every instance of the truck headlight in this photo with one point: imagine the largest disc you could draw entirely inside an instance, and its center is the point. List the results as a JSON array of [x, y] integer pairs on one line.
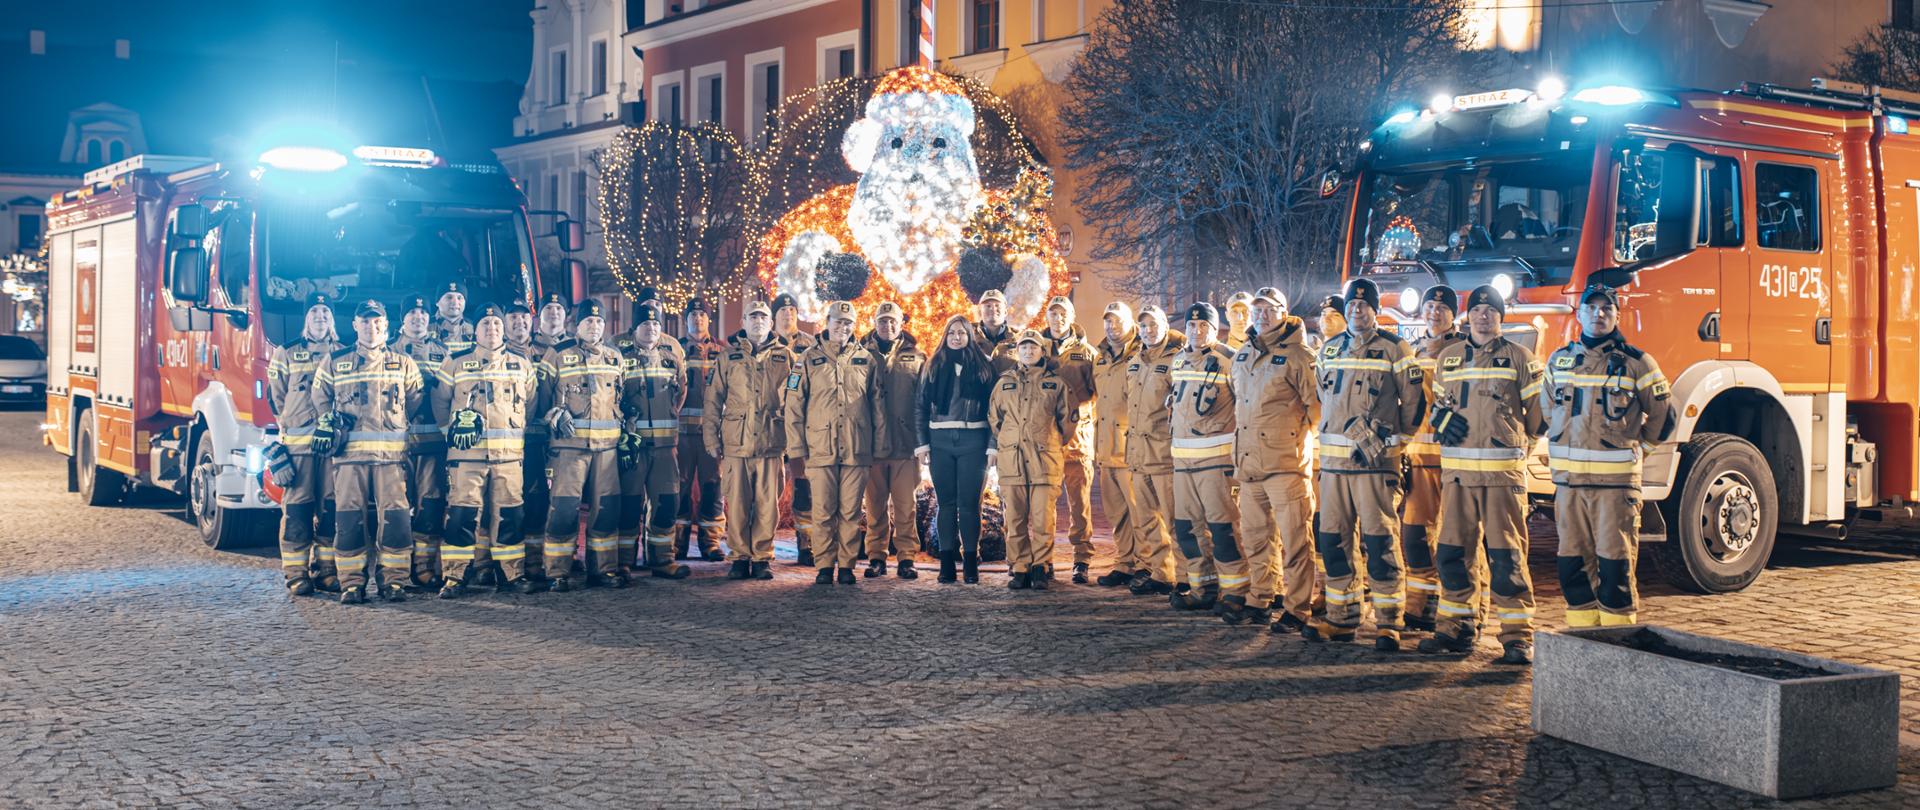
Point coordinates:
[[256, 459]]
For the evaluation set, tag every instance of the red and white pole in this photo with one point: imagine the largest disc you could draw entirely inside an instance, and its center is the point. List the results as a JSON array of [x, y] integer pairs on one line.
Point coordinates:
[[926, 34]]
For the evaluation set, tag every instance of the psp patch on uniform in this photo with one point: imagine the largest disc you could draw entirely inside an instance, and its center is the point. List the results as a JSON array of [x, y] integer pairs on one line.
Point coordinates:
[[1450, 363], [1331, 351], [302, 355], [1376, 354], [1534, 367], [393, 365], [344, 365], [569, 358], [629, 362], [470, 364], [1563, 362], [1661, 389]]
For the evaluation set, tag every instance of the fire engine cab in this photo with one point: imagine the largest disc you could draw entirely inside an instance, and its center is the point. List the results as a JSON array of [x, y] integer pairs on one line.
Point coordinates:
[[172, 279], [1766, 245]]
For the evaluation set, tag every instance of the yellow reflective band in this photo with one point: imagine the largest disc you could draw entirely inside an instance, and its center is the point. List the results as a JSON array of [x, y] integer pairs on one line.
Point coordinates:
[[352, 560], [1356, 364], [1229, 579], [1203, 452], [1649, 379], [1427, 585], [1339, 597], [1583, 618], [1481, 464], [326, 554], [1460, 374], [1386, 599], [374, 446], [629, 542], [590, 371], [1405, 363], [500, 375], [1617, 619], [296, 441], [1197, 376], [596, 433], [1455, 608], [421, 545], [655, 372], [1592, 467], [456, 554], [601, 545], [370, 376], [389, 558], [1532, 390], [513, 552], [1516, 615], [293, 558]]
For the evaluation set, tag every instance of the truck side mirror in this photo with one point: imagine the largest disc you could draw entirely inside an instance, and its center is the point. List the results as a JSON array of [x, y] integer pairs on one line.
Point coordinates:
[[1615, 277], [576, 280], [190, 222], [187, 275], [1678, 221], [572, 234]]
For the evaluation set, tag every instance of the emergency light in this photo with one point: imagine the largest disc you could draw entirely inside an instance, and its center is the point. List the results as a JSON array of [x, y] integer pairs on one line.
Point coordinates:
[[1896, 125], [303, 159], [1612, 95]]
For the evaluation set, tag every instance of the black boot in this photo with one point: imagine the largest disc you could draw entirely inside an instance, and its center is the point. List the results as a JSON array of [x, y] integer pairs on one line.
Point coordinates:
[[1018, 581], [524, 585], [1114, 579], [806, 558], [1208, 595], [1038, 583], [1079, 573], [877, 567], [946, 569], [739, 570], [970, 569], [762, 570], [1518, 653], [846, 576], [452, 589], [1287, 623], [1443, 644], [904, 570], [1231, 609], [355, 595], [825, 577], [560, 584], [300, 587], [393, 592]]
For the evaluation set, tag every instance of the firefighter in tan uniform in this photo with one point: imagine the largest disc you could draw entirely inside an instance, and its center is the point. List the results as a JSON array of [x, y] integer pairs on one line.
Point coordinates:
[[1111, 359], [306, 550], [700, 516], [655, 383], [895, 475], [1239, 314], [1486, 414], [365, 395], [1609, 406], [450, 325], [426, 445], [999, 336], [1149, 450], [527, 341], [482, 400], [1030, 417], [830, 415], [1371, 402], [1420, 510], [1277, 405], [1072, 358], [581, 382], [1201, 421], [786, 327], [745, 423]]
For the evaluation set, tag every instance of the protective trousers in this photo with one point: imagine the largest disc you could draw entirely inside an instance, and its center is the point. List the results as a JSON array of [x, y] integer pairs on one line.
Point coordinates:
[[1419, 531], [1030, 511], [1153, 513], [1277, 512], [1203, 501], [699, 496], [1599, 531], [1366, 501], [1116, 499], [957, 462], [1077, 486], [427, 494], [381, 487], [890, 513], [533, 510], [1493, 519], [590, 477], [470, 486], [649, 491], [838, 490], [750, 487], [306, 549], [802, 504]]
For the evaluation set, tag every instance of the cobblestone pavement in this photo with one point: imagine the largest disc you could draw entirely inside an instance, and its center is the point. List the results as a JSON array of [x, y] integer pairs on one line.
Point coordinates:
[[142, 669]]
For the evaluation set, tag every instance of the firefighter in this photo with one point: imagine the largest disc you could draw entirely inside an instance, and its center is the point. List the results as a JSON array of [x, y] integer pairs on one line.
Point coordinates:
[[786, 327], [1031, 417], [1276, 407], [580, 391], [1370, 402], [1239, 312], [1149, 450], [998, 335], [1609, 406], [426, 445], [1111, 359], [895, 475], [1201, 420], [1072, 358], [451, 327], [1420, 510], [482, 400], [1486, 414], [1324, 320], [365, 395], [624, 343], [551, 328], [745, 428], [306, 554], [700, 516], [655, 387], [830, 416]]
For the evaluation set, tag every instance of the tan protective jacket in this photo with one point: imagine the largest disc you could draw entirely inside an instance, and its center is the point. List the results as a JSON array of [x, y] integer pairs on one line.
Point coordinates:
[[290, 376], [1496, 388], [379, 388], [1110, 400], [1609, 406], [1149, 428], [1277, 403], [1030, 418], [1370, 384], [831, 405], [896, 386], [746, 405], [653, 388], [588, 382], [501, 384]]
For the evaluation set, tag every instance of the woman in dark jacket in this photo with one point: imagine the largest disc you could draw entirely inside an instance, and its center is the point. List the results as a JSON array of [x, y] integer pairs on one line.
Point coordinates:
[[951, 417]]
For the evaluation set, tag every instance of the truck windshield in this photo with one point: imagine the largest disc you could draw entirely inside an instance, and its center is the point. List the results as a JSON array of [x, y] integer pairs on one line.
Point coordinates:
[[388, 250], [1467, 223]]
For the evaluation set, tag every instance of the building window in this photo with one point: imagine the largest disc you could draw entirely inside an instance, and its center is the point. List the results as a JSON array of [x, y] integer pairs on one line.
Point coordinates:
[[557, 84], [553, 192], [910, 32], [1787, 202], [763, 93], [841, 61], [711, 107], [116, 151], [985, 25], [29, 233], [1502, 24], [600, 67], [580, 196], [673, 105], [1903, 14]]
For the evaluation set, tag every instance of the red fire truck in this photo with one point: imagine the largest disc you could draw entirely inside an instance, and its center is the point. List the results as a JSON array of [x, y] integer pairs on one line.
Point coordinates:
[[1766, 242], [172, 279]]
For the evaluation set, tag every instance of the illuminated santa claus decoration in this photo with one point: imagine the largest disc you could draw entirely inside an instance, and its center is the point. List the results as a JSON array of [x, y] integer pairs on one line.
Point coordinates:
[[917, 227]]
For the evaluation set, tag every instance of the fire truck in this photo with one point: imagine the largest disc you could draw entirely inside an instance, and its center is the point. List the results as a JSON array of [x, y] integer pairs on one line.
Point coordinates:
[[1766, 245], [171, 280]]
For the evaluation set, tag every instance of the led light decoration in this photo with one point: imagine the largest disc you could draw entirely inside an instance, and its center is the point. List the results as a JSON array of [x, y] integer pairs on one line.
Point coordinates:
[[678, 205], [945, 200]]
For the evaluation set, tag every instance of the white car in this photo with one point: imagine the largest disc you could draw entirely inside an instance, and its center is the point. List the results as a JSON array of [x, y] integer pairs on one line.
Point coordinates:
[[23, 370]]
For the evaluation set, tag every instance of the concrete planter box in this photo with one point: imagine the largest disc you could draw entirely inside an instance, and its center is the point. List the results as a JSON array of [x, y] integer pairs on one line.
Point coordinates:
[[1785, 739]]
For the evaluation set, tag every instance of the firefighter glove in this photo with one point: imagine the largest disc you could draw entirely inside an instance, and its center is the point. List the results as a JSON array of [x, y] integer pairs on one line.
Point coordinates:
[[1449, 425], [327, 433], [466, 429], [1368, 446], [560, 423], [627, 452], [279, 465]]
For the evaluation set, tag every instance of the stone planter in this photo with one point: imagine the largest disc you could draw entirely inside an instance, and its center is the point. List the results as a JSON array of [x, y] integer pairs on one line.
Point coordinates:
[[1816, 726]]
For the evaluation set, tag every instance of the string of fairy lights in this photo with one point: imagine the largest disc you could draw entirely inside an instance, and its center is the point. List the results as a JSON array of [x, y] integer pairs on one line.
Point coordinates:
[[663, 220]]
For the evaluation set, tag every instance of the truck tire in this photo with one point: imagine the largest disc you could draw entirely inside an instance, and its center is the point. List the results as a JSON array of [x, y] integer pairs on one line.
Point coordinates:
[[1722, 520], [222, 529], [98, 485]]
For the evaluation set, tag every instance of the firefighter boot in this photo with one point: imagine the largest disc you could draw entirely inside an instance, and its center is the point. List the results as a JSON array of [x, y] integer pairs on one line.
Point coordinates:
[[1114, 578], [682, 534], [663, 565], [452, 589], [905, 570], [1318, 631], [762, 570], [1287, 623], [1079, 573], [739, 569], [355, 595], [846, 576], [876, 567], [825, 577], [1519, 652], [1387, 641], [711, 535], [1231, 609], [1443, 644], [393, 592], [300, 587]]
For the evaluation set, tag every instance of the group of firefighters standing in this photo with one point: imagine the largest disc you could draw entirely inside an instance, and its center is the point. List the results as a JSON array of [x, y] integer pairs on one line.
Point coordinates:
[[1303, 468]]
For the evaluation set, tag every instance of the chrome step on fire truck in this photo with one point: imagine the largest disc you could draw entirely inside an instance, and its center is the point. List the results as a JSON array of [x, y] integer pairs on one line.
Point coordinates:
[[1766, 242], [170, 281]]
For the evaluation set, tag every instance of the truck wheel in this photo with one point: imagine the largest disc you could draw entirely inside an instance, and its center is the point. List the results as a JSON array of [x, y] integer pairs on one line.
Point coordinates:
[[1723, 520], [98, 485], [221, 528]]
